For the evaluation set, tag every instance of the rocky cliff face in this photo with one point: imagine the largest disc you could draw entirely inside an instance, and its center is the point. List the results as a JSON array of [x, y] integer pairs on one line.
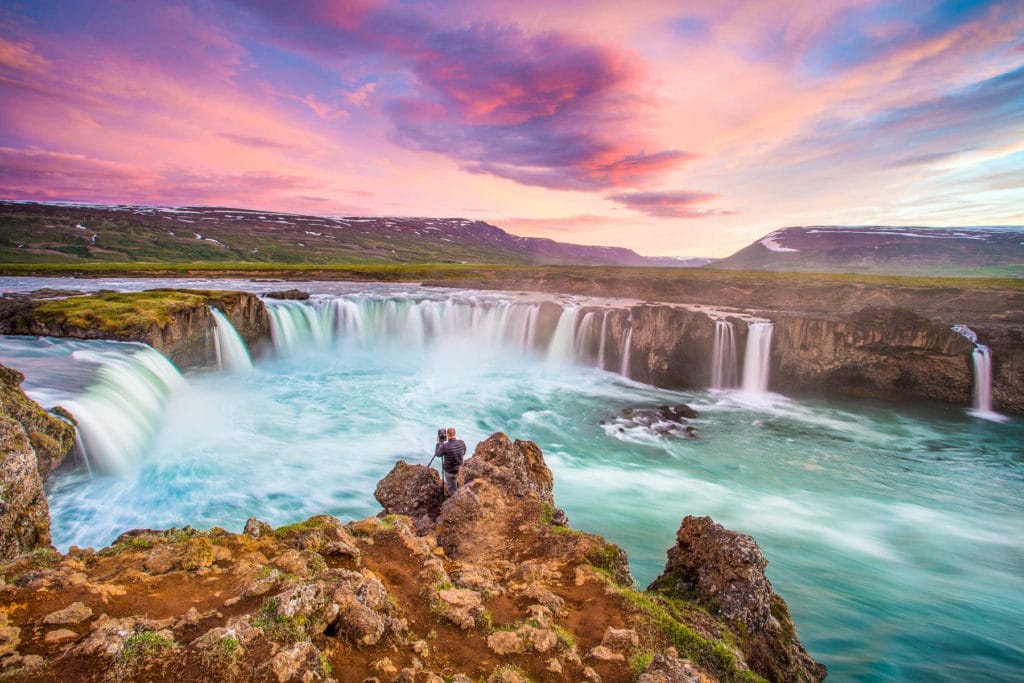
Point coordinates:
[[32, 444], [885, 353], [177, 323], [495, 588], [888, 353]]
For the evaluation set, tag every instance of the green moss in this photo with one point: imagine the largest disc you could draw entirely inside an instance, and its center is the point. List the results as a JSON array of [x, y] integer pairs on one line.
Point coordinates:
[[664, 614], [45, 557], [508, 668], [300, 527], [144, 644], [546, 513], [566, 639], [640, 661], [277, 626], [122, 314], [605, 556]]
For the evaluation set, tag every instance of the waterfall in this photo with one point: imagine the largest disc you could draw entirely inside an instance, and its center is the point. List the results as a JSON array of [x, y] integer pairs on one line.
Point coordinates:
[[600, 351], [293, 323], [982, 379], [419, 323], [120, 411], [561, 348], [627, 346], [723, 356], [982, 360], [756, 360], [231, 352], [582, 343]]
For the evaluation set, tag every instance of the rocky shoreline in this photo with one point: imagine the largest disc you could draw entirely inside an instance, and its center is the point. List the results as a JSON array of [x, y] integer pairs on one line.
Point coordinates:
[[490, 584]]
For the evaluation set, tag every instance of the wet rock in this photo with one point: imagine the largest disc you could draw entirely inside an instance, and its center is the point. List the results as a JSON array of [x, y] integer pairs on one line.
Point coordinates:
[[288, 294], [74, 613], [412, 490], [677, 413]]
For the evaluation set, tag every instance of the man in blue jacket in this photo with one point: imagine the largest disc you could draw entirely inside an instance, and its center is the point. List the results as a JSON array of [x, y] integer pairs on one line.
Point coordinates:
[[451, 451]]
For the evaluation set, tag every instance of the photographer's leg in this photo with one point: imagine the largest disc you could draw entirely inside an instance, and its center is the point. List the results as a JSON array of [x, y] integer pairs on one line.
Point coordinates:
[[450, 483]]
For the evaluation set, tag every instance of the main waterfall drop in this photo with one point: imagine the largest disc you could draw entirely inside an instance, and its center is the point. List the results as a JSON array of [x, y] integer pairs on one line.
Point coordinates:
[[231, 352], [757, 359], [723, 356]]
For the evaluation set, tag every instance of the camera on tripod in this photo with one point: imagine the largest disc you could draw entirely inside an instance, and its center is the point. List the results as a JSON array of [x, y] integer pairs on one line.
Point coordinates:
[[442, 435]]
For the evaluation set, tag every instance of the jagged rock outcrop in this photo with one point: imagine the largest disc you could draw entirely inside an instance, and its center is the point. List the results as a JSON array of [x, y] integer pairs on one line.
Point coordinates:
[[375, 599], [178, 323], [724, 570], [32, 444]]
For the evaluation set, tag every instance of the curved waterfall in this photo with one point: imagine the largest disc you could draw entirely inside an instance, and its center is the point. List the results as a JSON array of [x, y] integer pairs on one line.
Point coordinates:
[[120, 411]]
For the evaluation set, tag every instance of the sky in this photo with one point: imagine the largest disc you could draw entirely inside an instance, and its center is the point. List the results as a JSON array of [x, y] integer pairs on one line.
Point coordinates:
[[673, 128]]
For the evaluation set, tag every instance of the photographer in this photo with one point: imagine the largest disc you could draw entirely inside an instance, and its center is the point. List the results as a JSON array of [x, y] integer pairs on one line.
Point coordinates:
[[451, 451]]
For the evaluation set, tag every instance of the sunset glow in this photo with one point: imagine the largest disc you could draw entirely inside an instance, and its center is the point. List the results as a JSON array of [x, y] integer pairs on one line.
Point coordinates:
[[686, 129]]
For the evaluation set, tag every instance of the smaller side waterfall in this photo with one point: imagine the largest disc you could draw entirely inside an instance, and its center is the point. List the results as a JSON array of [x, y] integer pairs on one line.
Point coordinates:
[[627, 347], [601, 347], [583, 350], [757, 359], [231, 352], [723, 356], [561, 348], [982, 360]]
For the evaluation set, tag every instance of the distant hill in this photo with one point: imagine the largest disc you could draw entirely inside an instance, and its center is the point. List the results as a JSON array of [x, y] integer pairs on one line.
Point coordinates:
[[77, 233], [969, 251]]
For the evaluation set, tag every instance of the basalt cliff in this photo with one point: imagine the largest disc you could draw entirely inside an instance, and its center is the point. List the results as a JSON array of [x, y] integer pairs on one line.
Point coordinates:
[[489, 584]]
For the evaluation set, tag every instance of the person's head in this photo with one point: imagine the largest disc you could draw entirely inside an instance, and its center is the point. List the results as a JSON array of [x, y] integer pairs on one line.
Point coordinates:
[[451, 432]]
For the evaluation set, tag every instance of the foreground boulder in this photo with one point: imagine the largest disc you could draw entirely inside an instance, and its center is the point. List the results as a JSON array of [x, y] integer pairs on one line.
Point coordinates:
[[724, 570], [492, 589]]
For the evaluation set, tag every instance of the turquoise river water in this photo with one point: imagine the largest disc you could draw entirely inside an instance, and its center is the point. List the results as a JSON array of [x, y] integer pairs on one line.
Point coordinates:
[[894, 531]]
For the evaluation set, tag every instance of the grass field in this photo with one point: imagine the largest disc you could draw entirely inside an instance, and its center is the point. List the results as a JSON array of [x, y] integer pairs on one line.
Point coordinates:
[[497, 273]]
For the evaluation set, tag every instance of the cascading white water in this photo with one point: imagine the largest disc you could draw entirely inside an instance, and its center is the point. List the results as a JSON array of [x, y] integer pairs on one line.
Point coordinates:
[[627, 347], [756, 359], [982, 360], [600, 351], [582, 342], [982, 379], [561, 348], [365, 321], [723, 356], [231, 352], [119, 413]]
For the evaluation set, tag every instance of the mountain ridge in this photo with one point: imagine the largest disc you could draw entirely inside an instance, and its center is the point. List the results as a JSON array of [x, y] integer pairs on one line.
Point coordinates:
[[77, 232], [886, 249]]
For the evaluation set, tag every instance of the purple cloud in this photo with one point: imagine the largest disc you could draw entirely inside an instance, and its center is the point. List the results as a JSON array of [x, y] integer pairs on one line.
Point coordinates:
[[678, 204]]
